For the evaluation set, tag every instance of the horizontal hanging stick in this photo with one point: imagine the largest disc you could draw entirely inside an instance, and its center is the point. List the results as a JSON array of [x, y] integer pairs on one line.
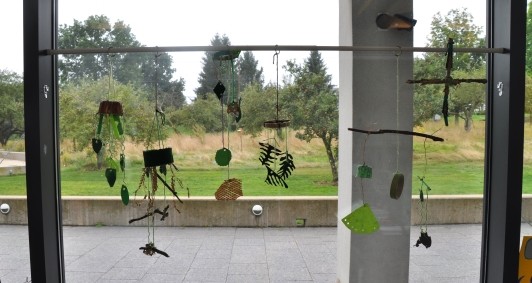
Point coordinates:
[[155, 49], [444, 81], [409, 133]]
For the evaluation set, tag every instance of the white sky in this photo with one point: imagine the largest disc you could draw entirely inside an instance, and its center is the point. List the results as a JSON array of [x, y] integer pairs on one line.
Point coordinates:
[[176, 23]]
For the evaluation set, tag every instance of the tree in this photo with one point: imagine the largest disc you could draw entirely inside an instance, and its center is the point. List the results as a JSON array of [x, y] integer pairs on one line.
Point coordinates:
[[248, 72], [79, 104], [528, 64], [457, 24], [136, 68], [312, 102], [201, 113], [258, 106], [212, 71], [12, 101]]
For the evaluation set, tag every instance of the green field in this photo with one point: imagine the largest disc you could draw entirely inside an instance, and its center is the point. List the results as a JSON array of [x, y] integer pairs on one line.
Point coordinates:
[[455, 166]]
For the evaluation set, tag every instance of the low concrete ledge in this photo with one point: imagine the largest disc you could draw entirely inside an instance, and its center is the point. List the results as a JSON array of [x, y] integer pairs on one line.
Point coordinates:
[[277, 211]]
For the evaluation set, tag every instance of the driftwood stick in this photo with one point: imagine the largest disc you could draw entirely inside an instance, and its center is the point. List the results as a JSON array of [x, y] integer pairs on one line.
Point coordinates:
[[169, 188], [409, 133]]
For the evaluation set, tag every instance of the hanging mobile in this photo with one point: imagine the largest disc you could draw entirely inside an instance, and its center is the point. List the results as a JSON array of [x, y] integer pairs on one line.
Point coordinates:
[[269, 153], [231, 188], [424, 238], [109, 135], [158, 162], [362, 220], [398, 180]]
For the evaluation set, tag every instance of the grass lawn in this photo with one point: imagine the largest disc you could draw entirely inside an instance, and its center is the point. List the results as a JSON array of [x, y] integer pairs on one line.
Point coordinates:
[[304, 181]]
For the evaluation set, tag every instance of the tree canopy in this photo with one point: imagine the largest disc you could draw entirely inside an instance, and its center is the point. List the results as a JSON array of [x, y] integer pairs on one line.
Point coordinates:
[[458, 25], [312, 102], [129, 68], [12, 101]]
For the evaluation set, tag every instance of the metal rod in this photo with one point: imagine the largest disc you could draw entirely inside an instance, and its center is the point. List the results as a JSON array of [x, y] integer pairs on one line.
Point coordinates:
[[267, 48]]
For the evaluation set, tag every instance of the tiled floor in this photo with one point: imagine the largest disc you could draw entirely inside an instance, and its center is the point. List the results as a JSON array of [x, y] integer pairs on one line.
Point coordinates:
[[111, 254]]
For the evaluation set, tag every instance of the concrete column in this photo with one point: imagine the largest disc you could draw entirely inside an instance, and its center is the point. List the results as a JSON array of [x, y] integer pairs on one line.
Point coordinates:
[[368, 101]]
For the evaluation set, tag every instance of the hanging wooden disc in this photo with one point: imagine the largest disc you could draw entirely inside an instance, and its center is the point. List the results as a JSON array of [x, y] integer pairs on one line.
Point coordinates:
[[111, 108], [158, 157], [276, 124]]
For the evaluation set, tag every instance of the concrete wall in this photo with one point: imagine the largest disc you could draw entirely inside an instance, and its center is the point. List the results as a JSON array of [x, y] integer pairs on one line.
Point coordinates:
[[278, 211]]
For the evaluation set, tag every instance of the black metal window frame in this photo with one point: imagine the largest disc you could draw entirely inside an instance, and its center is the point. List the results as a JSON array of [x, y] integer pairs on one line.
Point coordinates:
[[504, 142]]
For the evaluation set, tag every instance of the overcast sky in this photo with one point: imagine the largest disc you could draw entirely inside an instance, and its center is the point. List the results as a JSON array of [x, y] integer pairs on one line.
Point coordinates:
[[180, 23]]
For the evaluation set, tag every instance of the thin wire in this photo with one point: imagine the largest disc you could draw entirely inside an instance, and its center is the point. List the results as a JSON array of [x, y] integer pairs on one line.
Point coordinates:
[[397, 109], [276, 62]]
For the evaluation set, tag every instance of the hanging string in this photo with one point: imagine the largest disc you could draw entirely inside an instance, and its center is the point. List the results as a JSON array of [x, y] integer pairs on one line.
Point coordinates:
[[276, 62], [397, 107]]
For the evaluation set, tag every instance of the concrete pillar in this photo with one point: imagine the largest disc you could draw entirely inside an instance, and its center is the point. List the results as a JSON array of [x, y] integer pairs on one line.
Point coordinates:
[[368, 101]]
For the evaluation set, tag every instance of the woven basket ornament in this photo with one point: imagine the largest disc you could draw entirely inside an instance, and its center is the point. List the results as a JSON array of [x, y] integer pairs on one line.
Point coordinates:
[[231, 189]]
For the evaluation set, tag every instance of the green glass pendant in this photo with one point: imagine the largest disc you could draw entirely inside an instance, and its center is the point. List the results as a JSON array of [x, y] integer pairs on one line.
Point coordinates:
[[97, 145], [223, 156], [110, 175], [124, 193], [396, 188], [364, 171], [362, 220]]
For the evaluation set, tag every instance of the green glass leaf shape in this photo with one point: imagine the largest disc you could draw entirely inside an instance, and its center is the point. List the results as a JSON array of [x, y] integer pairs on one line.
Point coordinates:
[[100, 124], [223, 156], [124, 193], [396, 188], [362, 220], [364, 171], [421, 197], [119, 126], [111, 163], [122, 162], [97, 145], [110, 175]]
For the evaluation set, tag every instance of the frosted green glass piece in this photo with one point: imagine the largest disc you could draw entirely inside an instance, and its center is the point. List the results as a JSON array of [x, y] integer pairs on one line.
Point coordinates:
[[362, 220], [364, 171]]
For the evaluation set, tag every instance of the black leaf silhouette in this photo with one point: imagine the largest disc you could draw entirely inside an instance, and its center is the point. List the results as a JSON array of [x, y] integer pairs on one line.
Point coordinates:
[[287, 166], [266, 156]]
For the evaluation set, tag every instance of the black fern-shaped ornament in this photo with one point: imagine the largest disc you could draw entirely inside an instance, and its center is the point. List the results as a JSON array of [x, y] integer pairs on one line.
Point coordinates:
[[287, 166], [274, 179], [269, 154]]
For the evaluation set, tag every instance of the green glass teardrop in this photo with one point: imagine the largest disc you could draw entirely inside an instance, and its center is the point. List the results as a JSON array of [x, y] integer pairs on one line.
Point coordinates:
[[110, 175], [124, 193]]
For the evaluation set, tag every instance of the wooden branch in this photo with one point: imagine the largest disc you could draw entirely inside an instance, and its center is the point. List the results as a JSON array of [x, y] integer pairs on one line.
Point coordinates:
[[409, 133]]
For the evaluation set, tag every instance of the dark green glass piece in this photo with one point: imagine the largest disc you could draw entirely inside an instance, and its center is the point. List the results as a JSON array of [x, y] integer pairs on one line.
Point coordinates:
[[124, 193], [110, 175], [396, 188], [97, 145], [223, 156], [100, 123], [122, 162]]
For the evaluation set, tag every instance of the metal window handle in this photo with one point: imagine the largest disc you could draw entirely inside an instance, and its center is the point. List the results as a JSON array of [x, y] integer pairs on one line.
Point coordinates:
[[500, 87]]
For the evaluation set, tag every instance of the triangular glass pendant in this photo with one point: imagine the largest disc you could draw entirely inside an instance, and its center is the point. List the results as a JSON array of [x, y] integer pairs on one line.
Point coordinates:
[[362, 220]]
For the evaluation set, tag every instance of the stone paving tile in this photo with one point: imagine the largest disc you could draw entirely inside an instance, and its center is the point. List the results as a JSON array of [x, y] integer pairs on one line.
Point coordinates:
[[161, 277], [208, 263], [324, 277], [248, 269], [82, 277], [124, 273], [247, 278], [289, 273], [211, 274]]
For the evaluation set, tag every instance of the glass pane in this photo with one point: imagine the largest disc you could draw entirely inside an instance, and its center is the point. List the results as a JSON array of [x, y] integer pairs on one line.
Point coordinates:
[[453, 169], [167, 103], [14, 245]]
